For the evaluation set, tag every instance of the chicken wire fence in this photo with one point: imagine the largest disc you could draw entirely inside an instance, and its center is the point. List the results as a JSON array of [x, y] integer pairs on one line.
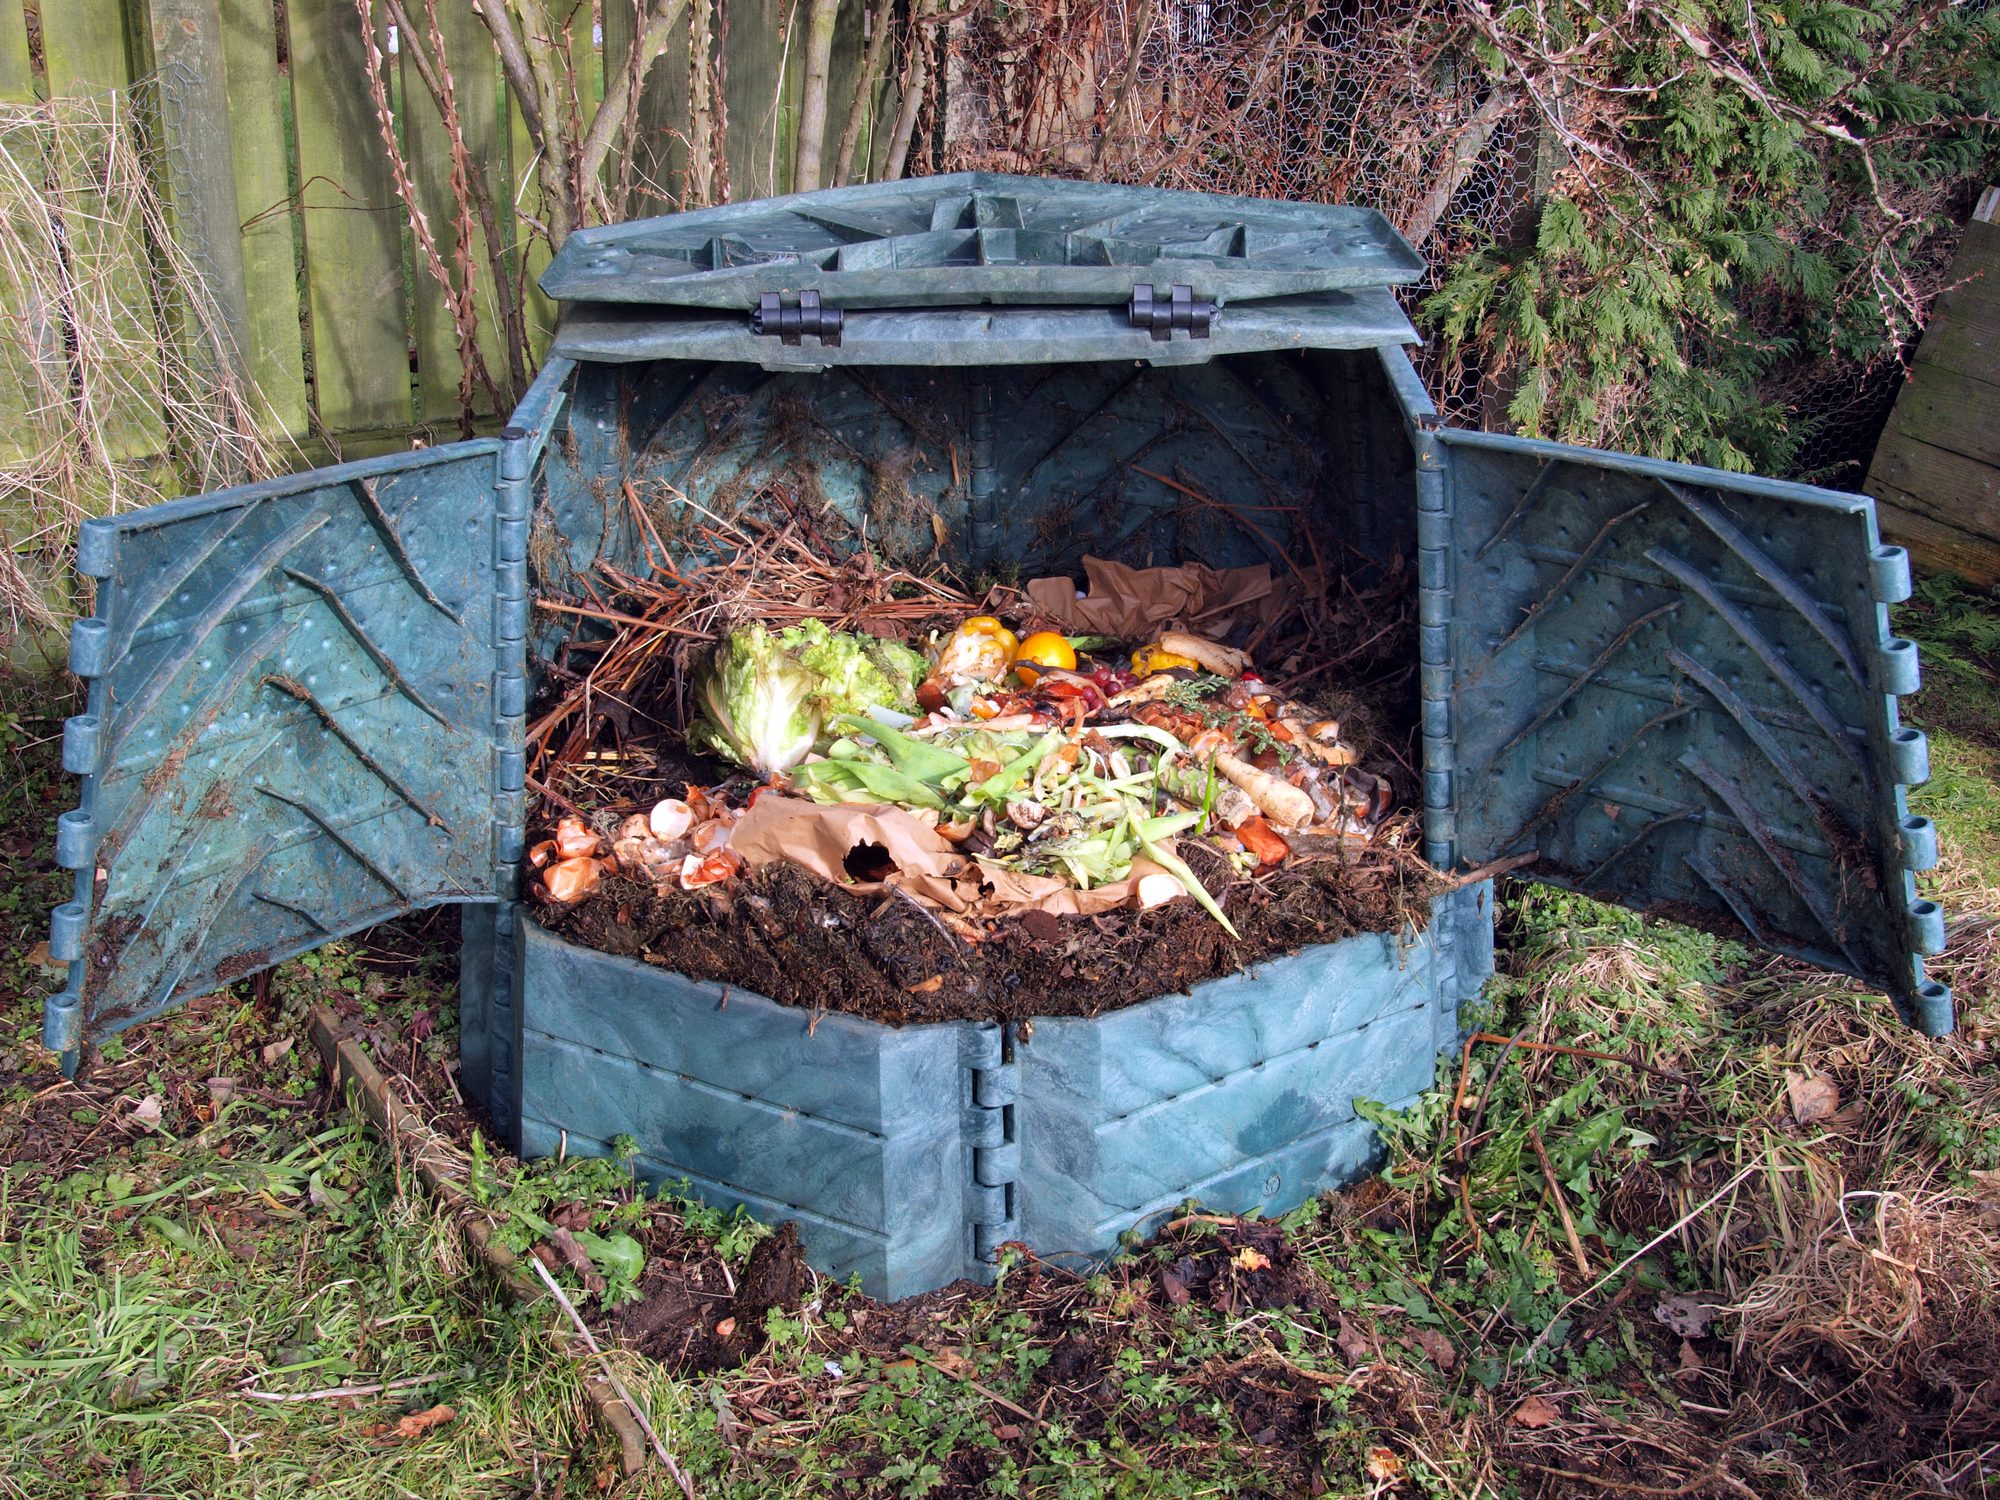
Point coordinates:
[[1374, 102]]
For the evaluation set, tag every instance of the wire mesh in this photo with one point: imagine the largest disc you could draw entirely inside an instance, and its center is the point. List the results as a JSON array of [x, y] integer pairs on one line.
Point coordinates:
[[1374, 102]]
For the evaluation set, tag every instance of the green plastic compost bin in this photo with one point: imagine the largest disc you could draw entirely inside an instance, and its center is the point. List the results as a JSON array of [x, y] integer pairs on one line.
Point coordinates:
[[1674, 687]]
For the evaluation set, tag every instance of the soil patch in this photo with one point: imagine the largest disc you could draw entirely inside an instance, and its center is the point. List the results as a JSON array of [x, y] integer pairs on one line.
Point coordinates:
[[787, 935], [693, 1315]]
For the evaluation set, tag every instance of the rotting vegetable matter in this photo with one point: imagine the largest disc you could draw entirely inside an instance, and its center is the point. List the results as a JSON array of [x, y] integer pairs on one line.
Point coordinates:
[[1026, 775]]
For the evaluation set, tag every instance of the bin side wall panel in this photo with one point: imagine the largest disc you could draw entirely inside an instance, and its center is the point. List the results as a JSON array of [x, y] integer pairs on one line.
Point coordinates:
[[1240, 1093], [848, 1126]]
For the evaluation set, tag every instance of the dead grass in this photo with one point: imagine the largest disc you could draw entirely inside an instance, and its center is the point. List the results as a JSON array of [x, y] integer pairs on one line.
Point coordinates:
[[118, 385]]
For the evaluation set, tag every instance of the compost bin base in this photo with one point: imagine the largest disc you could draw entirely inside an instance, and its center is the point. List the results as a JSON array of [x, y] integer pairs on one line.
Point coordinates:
[[791, 937], [908, 1155]]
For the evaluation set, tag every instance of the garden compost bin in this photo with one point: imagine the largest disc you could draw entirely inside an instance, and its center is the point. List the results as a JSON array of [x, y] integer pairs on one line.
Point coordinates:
[[1674, 687]]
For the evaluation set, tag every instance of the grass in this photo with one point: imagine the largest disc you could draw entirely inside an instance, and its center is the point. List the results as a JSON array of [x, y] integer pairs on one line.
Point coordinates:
[[1763, 1264]]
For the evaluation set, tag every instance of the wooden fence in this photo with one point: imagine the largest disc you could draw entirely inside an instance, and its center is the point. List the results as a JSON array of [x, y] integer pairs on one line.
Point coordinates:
[[271, 159], [1936, 472]]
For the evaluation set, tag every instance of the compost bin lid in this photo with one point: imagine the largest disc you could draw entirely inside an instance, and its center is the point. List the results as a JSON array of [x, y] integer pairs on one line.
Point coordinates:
[[974, 238]]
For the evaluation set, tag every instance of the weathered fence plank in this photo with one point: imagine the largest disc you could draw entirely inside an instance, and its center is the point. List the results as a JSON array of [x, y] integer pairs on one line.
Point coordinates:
[[274, 348], [1936, 470], [24, 342], [84, 50], [281, 195], [353, 239], [199, 167], [467, 60], [17, 78], [763, 102]]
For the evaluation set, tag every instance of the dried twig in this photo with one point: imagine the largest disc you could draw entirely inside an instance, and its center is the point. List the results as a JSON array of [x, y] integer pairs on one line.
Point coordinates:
[[632, 1402]]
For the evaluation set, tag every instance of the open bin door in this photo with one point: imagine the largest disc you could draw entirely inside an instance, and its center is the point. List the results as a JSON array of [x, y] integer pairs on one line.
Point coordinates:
[[291, 731], [1676, 689]]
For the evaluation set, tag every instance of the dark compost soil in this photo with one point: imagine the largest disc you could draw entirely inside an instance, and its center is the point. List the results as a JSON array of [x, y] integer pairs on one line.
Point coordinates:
[[788, 935]]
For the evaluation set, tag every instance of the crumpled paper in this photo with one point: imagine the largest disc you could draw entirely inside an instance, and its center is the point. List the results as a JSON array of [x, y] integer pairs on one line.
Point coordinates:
[[927, 866], [1129, 602]]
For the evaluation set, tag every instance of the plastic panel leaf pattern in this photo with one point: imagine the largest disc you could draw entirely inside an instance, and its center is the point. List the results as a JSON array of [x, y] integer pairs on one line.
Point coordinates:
[[290, 731], [1677, 687]]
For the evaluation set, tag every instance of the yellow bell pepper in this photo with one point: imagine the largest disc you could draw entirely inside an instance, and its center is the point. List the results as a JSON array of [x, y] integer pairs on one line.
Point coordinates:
[[1150, 659]]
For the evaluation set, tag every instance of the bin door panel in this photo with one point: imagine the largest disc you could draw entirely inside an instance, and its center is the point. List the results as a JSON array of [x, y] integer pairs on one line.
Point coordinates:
[[290, 732], [1676, 689]]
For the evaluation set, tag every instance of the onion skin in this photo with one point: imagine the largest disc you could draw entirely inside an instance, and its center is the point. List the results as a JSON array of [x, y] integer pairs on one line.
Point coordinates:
[[570, 880]]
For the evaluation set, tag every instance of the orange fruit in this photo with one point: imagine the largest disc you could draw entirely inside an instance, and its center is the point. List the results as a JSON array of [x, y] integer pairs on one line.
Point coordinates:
[[1045, 648]]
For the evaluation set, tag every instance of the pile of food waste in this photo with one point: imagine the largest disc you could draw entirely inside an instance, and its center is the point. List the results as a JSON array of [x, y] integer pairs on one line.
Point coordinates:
[[987, 773], [775, 759]]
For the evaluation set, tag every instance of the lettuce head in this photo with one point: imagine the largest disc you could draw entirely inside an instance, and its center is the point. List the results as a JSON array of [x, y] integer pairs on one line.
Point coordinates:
[[756, 703], [765, 699]]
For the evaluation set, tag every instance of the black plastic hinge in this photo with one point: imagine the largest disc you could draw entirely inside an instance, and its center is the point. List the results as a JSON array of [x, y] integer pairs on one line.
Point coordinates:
[[802, 319], [1180, 311]]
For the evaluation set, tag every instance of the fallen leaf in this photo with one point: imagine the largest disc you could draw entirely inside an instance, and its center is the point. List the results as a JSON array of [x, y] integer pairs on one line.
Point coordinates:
[[952, 1363], [1813, 1096], [417, 1423], [1251, 1259], [1383, 1466], [576, 1258], [40, 957], [1690, 1358], [275, 1050], [1174, 1287], [221, 1091], [1353, 1342], [1687, 1315], [1007, 1434], [147, 1110], [929, 986], [322, 1194], [1436, 1346], [1536, 1412]]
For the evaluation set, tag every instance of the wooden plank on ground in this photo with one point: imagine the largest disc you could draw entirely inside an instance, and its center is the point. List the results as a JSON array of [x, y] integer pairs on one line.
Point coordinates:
[[468, 60], [274, 340], [353, 227], [84, 51]]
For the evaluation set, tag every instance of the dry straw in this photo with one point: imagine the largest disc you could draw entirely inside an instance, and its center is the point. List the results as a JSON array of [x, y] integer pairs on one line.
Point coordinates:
[[119, 386]]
